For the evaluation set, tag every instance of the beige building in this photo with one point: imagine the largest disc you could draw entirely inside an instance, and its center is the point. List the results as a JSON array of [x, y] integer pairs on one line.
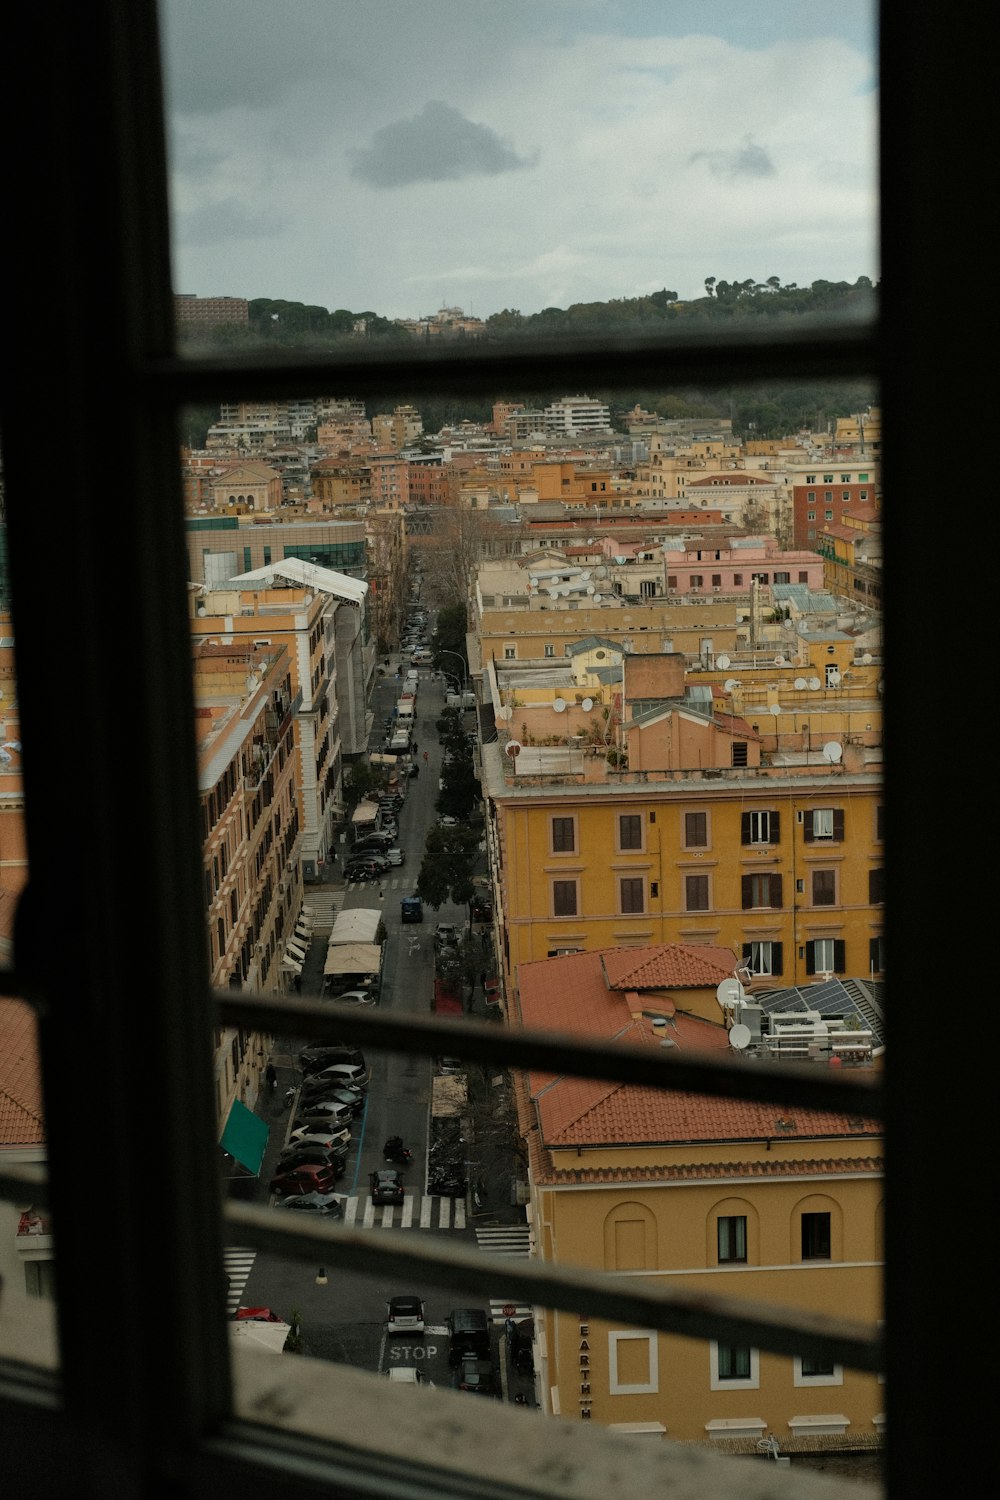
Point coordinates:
[[704, 1196]]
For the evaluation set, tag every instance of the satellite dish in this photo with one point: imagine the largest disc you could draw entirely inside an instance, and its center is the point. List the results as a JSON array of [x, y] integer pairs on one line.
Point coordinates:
[[832, 751], [813, 684], [779, 661], [559, 704], [506, 712], [730, 683], [585, 575], [722, 662], [834, 679], [799, 684], [774, 709], [866, 660], [587, 705], [532, 583], [597, 598], [553, 593], [590, 588], [739, 1036], [512, 748], [729, 993]]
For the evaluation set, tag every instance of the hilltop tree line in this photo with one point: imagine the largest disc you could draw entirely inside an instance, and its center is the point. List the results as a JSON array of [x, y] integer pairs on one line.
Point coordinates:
[[763, 412]]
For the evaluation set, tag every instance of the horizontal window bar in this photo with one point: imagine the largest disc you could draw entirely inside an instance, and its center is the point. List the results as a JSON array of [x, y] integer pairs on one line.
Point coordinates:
[[787, 1084], [693, 1314]]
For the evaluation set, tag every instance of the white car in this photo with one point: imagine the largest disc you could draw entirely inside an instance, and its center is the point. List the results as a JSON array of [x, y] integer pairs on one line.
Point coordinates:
[[404, 1315], [319, 1135], [395, 856]]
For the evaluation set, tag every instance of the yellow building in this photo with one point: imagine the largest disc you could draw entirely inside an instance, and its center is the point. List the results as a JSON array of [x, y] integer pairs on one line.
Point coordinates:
[[653, 811], [707, 1196], [251, 828]]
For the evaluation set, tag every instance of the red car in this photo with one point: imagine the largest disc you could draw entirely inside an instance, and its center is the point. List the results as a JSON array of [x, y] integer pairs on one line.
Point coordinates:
[[308, 1178]]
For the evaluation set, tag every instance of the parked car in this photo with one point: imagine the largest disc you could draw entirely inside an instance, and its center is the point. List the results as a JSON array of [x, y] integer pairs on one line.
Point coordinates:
[[386, 1186], [445, 935], [407, 1375], [476, 1375], [344, 1074], [350, 1102], [319, 1054], [343, 1093], [376, 839], [404, 1315], [396, 857], [313, 1117], [311, 1156], [319, 1134], [308, 1178], [355, 997], [359, 871], [314, 1203]]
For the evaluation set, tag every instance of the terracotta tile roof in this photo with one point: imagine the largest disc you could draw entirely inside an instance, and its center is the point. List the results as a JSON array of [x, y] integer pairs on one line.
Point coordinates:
[[22, 1122], [572, 994], [668, 966]]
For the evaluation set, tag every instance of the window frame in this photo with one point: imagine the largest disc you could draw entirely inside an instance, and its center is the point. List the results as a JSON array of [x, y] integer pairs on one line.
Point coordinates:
[[640, 828], [632, 881], [565, 821], [107, 168], [572, 883]]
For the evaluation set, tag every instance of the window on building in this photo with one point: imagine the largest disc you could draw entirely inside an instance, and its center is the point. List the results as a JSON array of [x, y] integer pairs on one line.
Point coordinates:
[[563, 835], [564, 898], [696, 893], [696, 830], [695, 581], [826, 956], [761, 890], [824, 887], [816, 1236], [732, 1238], [738, 580], [734, 1362], [632, 894], [876, 886], [510, 653], [740, 753], [760, 828], [764, 957], [550, 650], [630, 831]]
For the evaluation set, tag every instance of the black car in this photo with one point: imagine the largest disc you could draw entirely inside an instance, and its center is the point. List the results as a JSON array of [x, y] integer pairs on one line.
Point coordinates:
[[476, 1375], [386, 1185]]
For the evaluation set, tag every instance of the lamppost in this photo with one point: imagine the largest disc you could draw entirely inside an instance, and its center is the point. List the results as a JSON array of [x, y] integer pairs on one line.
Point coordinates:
[[458, 657]]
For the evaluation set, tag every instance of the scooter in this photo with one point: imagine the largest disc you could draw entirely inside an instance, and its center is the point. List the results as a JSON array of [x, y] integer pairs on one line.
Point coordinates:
[[399, 1154]]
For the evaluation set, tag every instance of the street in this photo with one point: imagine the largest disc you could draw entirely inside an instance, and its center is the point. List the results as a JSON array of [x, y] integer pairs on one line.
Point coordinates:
[[344, 1319]]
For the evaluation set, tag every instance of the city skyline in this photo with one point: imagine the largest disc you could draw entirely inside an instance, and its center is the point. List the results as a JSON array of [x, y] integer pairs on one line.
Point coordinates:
[[400, 159]]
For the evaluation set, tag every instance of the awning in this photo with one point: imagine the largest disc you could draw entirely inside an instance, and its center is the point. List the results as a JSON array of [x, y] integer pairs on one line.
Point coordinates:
[[245, 1137], [291, 965], [353, 958], [296, 950]]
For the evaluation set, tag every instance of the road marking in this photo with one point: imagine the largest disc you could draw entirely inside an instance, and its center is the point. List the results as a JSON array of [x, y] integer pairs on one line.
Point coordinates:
[[459, 1213], [369, 1219], [425, 1212], [444, 1213], [407, 1212]]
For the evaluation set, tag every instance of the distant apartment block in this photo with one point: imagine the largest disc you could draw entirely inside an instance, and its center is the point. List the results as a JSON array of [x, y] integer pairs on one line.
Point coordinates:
[[210, 310]]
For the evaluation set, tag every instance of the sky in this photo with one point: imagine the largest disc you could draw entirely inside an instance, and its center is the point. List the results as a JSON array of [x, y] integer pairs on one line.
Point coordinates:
[[399, 156]]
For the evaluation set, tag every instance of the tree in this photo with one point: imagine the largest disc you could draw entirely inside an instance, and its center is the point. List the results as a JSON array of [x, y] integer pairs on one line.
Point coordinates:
[[359, 780]]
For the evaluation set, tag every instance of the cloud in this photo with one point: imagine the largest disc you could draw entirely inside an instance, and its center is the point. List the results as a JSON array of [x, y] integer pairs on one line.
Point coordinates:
[[437, 145], [216, 223], [748, 160]]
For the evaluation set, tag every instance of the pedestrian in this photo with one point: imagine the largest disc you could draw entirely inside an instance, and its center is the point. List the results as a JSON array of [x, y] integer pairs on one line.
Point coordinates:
[[509, 1329], [387, 662], [425, 756], [486, 942], [413, 748], [482, 980], [272, 1078], [298, 983]]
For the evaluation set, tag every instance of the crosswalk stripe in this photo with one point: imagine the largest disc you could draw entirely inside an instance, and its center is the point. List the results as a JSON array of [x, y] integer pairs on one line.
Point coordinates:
[[425, 1212], [407, 1212], [459, 1213], [351, 1209], [512, 1240], [363, 1213], [238, 1264], [444, 1213]]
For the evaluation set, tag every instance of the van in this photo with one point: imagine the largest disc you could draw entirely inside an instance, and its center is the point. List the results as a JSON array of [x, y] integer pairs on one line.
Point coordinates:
[[411, 909], [468, 1334]]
